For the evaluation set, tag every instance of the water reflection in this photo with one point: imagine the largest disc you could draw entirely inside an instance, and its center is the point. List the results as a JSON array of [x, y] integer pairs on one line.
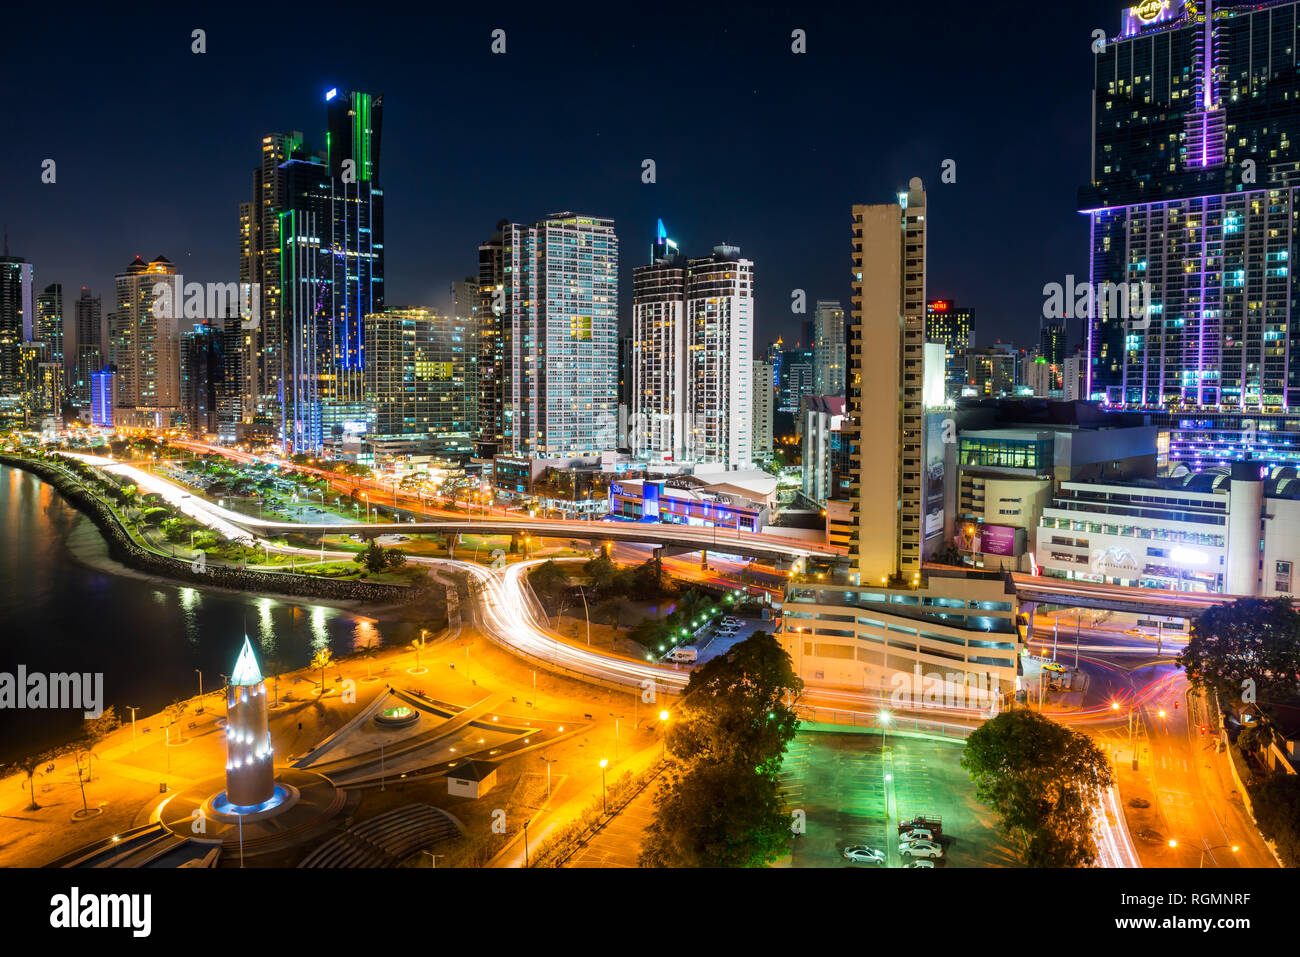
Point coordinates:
[[146, 638]]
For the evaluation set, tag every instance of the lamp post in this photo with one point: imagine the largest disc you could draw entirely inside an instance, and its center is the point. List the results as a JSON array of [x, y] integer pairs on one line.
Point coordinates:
[[587, 613], [604, 808], [663, 737]]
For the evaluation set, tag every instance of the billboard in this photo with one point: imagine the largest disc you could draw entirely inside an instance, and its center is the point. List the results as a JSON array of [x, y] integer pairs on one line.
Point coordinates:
[[997, 540]]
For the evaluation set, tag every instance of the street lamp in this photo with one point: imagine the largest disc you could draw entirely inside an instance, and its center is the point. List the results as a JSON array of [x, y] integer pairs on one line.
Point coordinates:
[[663, 739], [604, 809]]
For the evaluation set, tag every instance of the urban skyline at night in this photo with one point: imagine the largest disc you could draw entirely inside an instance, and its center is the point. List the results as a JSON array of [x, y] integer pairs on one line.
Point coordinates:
[[688, 439]]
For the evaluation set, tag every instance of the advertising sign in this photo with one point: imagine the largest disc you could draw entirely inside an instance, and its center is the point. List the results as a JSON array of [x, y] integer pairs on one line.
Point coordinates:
[[997, 540]]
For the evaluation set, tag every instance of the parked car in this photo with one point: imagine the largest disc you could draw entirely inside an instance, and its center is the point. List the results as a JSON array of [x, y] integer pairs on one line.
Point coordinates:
[[928, 849], [864, 854], [919, 863], [683, 654], [916, 834]]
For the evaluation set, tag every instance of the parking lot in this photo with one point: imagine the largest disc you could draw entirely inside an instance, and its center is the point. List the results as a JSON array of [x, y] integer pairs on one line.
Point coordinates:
[[838, 781]]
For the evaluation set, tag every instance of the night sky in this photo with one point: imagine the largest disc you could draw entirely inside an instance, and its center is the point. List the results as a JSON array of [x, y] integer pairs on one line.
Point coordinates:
[[756, 146]]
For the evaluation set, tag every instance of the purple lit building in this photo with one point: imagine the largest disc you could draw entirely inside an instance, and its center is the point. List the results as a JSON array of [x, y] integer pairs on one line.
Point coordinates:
[[1195, 192]]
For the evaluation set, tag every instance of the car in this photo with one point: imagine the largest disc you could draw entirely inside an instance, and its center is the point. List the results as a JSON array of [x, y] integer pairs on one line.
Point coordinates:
[[919, 863], [864, 854], [683, 655], [928, 849], [1135, 632], [916, 834]]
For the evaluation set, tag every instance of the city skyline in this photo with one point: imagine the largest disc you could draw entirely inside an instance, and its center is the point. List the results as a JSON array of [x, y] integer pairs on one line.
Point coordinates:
[[597, 168]]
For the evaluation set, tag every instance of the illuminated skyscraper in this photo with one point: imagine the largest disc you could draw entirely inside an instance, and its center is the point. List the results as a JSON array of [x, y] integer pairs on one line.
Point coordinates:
[[692, 343], [559, 334], [313, 239], [17, 320], [49, 320], [86, 349], [1194, 190], [146, 341], [828, 348]]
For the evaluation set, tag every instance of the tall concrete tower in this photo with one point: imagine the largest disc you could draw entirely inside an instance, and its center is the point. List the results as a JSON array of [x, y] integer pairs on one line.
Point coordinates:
[[885, 405], [250, 762]]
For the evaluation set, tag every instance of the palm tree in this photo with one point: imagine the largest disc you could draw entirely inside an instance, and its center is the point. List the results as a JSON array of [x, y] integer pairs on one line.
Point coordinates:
[[28, 766], [418, 644], [322, 660]]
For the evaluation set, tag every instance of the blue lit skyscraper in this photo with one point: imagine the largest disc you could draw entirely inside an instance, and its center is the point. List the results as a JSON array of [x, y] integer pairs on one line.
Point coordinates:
[[314, 239]]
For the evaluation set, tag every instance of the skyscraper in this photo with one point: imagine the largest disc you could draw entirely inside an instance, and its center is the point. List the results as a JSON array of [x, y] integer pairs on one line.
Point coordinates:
[[885, 403], [828, 348], [86, 351], [17, 320], [49, 320], [558, 330], [1194, 198], [491, 359], [466, 315], [764, 406], [419, 399], [313, 240], [658, 413], [146, 341], [719, 320], [692, 347]]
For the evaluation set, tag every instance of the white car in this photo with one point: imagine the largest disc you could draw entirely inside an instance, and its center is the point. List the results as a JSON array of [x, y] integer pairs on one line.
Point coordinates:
[[864, 854], [928, 849], [916, 834], [921, 863]]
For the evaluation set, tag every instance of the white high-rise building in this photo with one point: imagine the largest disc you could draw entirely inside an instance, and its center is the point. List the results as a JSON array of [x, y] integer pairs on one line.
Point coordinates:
[[559, 335], [693, 338], [828, 348]]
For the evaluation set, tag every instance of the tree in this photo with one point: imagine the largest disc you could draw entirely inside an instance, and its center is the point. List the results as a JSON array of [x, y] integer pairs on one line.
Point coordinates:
[[550, 581], [735, 707], [322, 659], [602, 573], [1042, 780], [29, 765], [721, 806], [396, 558], [716, 815], [1275, 802], [175, 711], [1250, 640], [373, 557]]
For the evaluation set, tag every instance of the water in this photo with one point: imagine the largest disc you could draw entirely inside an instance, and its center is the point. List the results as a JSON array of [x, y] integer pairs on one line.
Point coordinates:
[[66, 607]]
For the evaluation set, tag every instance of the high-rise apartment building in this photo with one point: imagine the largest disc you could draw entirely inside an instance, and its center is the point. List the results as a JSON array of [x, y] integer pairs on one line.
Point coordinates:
[[418, 394], [468, 323], [558, 328], [828, 348], [211, 384], [692, 342], [1193, 201], [146, 341], [764, 406], [86, 349], [490, 439], [17, 320], [50, 320], [885, 404]]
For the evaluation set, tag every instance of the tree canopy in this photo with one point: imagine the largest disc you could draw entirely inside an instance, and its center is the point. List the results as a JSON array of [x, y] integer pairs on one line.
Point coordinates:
[[1250, 640], [1042, 780]]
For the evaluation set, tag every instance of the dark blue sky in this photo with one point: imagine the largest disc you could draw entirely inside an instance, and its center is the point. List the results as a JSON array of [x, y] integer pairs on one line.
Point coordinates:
[[754, 145]]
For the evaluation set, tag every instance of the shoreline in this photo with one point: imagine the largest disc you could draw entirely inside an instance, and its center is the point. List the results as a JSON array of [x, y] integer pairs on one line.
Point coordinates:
[[115, 553]]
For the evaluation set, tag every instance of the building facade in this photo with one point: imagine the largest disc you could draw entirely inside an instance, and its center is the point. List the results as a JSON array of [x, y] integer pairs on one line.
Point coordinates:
[[1194, 199], [829, 355]]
